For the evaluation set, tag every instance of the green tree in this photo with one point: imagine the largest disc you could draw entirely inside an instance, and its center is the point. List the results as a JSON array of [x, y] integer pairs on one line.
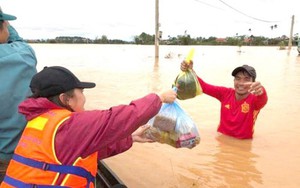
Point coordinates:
[[144, 38], [184, 39]]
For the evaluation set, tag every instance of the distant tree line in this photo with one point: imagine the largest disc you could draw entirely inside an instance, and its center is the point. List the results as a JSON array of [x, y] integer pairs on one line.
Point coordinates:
[[146, 39]]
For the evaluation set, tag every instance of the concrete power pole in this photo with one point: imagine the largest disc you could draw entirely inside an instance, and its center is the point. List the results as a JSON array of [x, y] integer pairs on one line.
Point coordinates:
[[157, 30], [291, 33]]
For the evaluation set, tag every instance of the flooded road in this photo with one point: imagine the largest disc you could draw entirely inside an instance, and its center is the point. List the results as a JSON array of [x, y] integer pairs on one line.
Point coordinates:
[[127, 72]]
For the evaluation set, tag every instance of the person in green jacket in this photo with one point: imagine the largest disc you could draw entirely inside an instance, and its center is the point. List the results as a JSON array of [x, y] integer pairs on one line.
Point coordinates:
[[17, 67]]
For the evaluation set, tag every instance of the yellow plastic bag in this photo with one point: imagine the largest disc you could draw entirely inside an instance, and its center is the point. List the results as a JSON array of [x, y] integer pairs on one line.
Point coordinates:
[[187, 83]]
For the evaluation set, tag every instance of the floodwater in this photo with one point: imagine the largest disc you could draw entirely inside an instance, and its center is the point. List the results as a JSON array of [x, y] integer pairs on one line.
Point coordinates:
[[127, 72]]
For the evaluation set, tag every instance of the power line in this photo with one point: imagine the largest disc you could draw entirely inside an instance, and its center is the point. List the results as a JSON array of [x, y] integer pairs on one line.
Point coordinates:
[[267, 21], [209, 5]]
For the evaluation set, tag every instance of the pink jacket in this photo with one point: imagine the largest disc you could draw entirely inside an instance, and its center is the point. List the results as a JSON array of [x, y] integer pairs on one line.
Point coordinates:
[[106, 131]]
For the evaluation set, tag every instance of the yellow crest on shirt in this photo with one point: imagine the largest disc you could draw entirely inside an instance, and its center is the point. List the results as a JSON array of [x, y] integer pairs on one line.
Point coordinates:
[[245, 107]]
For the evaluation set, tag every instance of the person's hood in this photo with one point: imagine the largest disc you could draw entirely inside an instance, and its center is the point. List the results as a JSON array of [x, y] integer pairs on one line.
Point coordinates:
[[33, 107]]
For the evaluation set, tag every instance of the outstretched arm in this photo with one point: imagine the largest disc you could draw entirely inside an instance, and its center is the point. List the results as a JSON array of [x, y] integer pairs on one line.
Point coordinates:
[[125, 144]]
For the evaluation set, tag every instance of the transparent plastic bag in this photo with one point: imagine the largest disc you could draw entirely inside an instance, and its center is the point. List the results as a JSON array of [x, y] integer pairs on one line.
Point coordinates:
[[173, 126]]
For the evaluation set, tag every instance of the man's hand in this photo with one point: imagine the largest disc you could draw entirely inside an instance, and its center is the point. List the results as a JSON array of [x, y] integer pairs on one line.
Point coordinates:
[[184, 66], [255, 88]]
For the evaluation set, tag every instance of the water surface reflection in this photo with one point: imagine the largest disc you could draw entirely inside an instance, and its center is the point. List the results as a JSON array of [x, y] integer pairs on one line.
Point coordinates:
[[236, 163]]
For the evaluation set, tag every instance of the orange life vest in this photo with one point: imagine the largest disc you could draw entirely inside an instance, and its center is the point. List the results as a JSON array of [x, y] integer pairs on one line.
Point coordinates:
[[35, 161]]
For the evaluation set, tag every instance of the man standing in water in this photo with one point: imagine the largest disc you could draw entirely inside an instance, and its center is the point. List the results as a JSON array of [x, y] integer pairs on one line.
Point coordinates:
[[240, 105], [17, 66]]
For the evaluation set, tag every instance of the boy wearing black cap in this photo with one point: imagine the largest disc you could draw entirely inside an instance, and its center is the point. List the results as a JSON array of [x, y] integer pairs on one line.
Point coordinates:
[[17, 66], [240, 105], [62, 142]]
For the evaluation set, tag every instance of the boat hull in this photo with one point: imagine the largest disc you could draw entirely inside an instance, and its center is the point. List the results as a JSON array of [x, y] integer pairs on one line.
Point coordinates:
[[106, 178]]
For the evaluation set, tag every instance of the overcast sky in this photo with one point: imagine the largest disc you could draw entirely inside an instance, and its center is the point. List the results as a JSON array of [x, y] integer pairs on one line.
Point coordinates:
[[123, 19]]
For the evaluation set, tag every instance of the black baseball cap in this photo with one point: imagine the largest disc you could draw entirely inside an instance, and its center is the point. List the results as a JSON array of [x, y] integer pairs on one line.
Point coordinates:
[[4, 16], [55, 80], [246, 68]]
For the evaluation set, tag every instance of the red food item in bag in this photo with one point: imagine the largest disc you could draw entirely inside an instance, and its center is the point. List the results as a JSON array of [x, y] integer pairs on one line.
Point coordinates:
[[186, 140]]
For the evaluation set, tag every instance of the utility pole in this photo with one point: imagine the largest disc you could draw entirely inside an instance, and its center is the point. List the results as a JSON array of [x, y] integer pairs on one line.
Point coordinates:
[[291, 33], [157, 31]]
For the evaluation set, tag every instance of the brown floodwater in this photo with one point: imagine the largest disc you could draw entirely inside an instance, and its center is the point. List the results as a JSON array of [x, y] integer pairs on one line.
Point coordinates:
[[127, 72]]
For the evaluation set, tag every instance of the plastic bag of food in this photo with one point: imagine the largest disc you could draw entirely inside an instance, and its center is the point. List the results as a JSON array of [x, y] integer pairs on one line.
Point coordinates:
[[187, 82], [173, 126]]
